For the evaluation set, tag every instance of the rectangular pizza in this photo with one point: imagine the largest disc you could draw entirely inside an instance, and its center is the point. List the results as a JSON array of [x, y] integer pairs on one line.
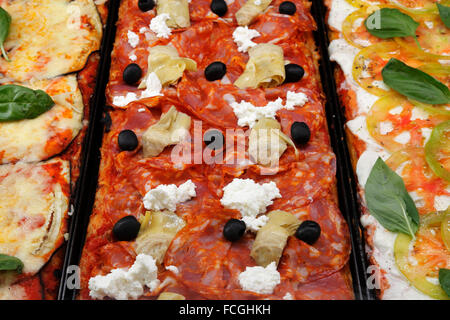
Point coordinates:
[[47, 75], [217, 178], [393, 77]]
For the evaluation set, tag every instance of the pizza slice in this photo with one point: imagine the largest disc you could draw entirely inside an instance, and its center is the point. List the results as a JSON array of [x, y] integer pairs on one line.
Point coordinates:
[[391, 55]]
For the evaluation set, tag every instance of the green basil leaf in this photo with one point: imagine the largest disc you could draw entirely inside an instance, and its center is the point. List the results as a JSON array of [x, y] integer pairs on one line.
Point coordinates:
[[444, 280], [388, 23], [414, 83], [389, 202], [10, 263], [18, 103], [444, 12], [5, 23]]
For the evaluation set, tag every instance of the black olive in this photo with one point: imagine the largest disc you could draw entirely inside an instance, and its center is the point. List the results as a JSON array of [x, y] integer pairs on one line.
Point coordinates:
[[126, 229], [300, 132], [308, 231], [146, 5], [215, 71], [219, 7], [132, 73], [127, 140], [214, 139], [234, 229], [287, 7], [294, 72]]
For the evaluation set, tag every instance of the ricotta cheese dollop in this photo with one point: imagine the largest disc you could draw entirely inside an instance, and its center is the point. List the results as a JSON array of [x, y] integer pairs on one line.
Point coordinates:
[[259, 279], [133, 38], [243, 37], [168, 196], [251, 199], [248, 114], [122, 284], [153, 89], [159, 26]]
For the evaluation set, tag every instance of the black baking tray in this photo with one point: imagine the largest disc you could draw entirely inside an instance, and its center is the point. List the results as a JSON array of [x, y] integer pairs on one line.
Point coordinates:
[[87, 182], [348, 196], [85, 196]]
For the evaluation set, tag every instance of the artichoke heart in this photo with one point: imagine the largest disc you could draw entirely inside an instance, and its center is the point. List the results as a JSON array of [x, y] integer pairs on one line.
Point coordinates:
[[171, 128], [178, 10], [267, 142], [158, 228], [265, 67], [272, 238], [250, 10], [171, 296], [165, 62]]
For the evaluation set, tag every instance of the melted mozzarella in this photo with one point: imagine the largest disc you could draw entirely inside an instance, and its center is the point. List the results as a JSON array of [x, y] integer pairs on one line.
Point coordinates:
[[49, 37], [50, 133], [32, 210]]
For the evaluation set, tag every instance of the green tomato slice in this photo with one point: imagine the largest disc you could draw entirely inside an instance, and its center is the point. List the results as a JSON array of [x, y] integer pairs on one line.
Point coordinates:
[[437, 150], [411, 272]]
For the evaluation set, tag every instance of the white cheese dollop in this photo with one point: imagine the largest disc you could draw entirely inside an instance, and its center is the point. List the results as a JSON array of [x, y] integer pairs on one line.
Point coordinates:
[[344, 54], [418, 113], [386, 127], [288, 296], [153, 86], [259, 279], [153, 89], [122, 284], [122, 101], [339, 11], [173, 269], [168, 196], [248, 114], [249, 197], [403, 138], [426, 133], [396, 110], [243, 37], [133, 39], [159, 26], [254, 224], [441, 203]]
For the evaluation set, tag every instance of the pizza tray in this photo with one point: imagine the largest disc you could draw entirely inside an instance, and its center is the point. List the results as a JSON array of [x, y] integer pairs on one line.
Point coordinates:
[[348, 197], [87, 183], [84, 194]]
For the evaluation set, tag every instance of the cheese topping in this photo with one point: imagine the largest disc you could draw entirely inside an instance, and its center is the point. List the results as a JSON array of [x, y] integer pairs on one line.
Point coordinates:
[[32, 210], [51, 132], [243, 37], [249, 197], [259, 279], [383, 241], [49, 38], [168, 196], [248, 114], [133, 39], [153, 88], [159, 26], [122, 284]]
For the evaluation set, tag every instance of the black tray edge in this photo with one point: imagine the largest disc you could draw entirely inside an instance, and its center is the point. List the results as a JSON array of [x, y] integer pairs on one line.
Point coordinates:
[[87, 181], [348, 196]]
